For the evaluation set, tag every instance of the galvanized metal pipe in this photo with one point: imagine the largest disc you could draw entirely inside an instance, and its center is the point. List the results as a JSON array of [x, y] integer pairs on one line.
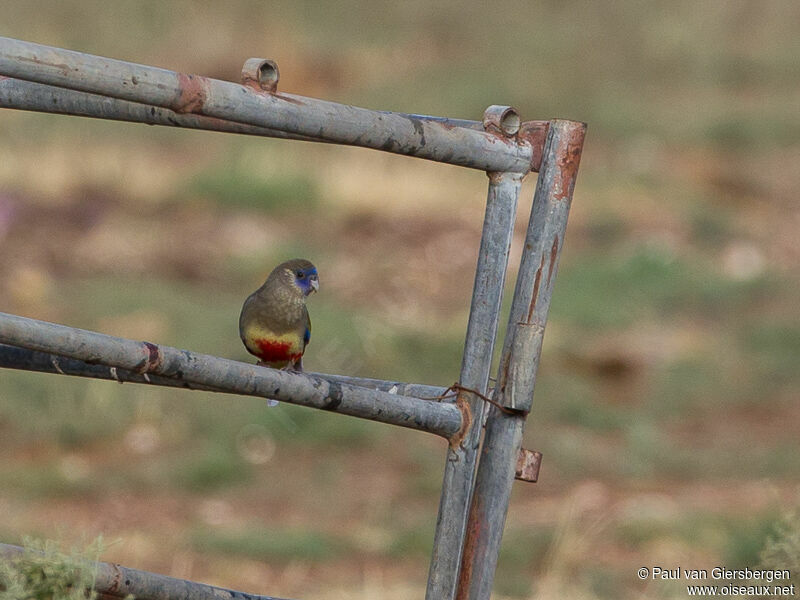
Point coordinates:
[[487, 296], [13, 357], [38, 97], [113, 580], [415, 390], [520, 358], [441, 418], [318, 119]]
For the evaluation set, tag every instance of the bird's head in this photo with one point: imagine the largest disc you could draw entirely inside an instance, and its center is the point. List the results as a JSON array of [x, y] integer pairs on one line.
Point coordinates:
[[300, 274]]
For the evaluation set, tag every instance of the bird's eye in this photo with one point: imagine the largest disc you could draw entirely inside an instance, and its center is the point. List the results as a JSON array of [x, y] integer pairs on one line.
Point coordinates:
[[300, 275]]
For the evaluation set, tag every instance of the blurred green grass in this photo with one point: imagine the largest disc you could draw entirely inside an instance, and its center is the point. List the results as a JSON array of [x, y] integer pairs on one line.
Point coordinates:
[[610, 291], [271, 544], [232, 186], [45, 572]]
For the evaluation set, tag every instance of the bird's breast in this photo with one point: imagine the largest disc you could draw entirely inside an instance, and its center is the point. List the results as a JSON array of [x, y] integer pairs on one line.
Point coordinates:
[[272, 348]]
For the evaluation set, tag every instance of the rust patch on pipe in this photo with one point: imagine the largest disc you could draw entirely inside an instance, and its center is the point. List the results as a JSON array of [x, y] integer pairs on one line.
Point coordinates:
[[474, 545], [568, 160], [152, 361], [466, 421], [535, 133], [116, 580], [528, 464], [192, 95], [505, 365], [553, 257], [535, 296]]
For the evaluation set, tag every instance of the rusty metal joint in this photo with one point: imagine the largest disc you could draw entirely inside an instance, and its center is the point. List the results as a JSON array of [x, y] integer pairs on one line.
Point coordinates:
[[528, 464], [497, 176], [466, 421], [152, 360], [192, 95], [261, 74], [116, 579], [535, 133]]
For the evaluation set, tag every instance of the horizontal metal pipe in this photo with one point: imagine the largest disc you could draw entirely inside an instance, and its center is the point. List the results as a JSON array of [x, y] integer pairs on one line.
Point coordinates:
[[24, 359], [392, 132], [28, 95], [116, 581], [224, 375], [415, 390], [13, 357]]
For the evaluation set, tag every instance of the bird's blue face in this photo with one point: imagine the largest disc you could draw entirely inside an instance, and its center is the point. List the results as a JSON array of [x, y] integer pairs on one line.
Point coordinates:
[[307, 280]]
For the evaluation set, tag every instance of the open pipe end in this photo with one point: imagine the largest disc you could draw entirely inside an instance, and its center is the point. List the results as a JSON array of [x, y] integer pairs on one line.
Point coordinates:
[[502, 119], [261, 73]]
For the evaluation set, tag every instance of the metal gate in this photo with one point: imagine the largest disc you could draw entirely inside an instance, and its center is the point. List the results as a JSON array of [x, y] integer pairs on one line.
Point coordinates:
[[480, 469]]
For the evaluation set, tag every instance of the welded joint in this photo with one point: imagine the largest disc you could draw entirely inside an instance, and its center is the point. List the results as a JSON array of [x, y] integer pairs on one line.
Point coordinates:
[[261, 74], [466, 421], [528, 464], [501, 120], [535, 133], [496, 177]]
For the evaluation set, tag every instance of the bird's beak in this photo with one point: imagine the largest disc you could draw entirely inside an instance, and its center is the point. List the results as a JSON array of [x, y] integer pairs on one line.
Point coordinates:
[[315, 285]]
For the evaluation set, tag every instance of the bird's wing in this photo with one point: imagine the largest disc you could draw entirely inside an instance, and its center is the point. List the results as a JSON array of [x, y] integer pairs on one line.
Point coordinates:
[[307, 332]]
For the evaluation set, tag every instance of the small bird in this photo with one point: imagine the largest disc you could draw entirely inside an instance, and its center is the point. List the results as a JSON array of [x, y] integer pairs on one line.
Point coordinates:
[[274, 324]]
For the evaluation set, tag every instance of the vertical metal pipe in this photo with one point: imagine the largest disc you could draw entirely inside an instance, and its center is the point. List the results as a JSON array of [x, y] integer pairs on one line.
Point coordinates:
[[520, 358], [498, 227]]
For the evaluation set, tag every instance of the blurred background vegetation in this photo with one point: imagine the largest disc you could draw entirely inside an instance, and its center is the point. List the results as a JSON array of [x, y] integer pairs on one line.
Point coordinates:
[[667, 406]]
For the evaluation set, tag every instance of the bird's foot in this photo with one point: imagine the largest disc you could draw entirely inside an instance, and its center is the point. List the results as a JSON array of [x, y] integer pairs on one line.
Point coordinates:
[[297, 366]]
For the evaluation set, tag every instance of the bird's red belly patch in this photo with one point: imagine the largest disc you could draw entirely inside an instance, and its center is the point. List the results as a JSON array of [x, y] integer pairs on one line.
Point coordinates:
[[271, 351]]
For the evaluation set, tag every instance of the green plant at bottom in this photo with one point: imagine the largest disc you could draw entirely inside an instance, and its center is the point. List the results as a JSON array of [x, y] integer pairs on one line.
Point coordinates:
[[43, 572]]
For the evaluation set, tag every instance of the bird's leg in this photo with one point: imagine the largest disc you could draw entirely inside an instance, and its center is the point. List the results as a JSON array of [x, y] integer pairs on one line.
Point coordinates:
[[296, 366]]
